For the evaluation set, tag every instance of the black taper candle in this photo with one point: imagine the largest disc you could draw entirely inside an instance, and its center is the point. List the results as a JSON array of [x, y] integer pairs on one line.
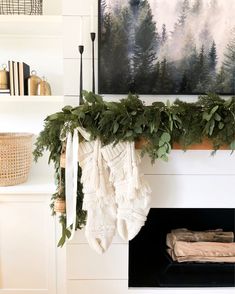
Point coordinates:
[[93, 35], [81, 50]]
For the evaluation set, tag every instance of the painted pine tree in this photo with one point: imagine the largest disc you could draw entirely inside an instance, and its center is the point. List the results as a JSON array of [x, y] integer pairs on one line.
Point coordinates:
[[166, 77], [229, 64], [115, 75], [144, 57], [220, 84], [164, 35], [213, 58], [202, 71]]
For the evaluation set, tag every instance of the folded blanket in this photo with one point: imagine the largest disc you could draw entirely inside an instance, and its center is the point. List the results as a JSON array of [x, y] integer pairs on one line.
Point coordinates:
[[198, 236], [203, 251], [201, 259]]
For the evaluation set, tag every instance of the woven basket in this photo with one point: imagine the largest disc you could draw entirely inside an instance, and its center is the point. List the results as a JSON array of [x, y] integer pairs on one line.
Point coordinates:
[[26, 7], [15, 158]]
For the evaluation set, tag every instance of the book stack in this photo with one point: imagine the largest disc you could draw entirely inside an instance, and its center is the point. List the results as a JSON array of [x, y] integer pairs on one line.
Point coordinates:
[[5, 92], [19, 73]]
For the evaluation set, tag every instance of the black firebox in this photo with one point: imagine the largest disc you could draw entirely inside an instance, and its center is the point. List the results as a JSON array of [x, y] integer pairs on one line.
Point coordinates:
[[151, 266]]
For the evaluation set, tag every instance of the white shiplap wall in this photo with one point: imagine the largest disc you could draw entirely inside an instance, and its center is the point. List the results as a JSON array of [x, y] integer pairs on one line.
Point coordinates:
[[191, 179]]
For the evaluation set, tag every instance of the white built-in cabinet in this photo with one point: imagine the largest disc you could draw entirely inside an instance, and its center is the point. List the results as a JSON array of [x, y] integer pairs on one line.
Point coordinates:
[[29, 256]]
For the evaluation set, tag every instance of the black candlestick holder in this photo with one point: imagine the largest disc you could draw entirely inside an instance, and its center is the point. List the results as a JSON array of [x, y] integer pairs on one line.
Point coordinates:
[[81, 50], [93, 35]]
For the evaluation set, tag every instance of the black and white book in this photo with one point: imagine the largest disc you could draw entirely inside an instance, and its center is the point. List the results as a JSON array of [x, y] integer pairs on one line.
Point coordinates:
[[11, 74], [24, 74], [16, 78]]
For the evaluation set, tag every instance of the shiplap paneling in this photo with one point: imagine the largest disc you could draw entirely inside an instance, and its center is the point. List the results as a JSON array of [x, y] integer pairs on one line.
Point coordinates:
[[85, 263], [188, 191], [71, 73], [192, 162], [71, 41]]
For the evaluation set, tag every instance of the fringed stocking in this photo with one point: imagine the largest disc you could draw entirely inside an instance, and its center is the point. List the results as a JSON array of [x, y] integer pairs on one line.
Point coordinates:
[[132, 192], [99, 200]]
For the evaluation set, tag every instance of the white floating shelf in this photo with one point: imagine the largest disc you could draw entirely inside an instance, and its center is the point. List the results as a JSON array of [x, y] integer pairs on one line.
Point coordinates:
[[34, 185], [32, 99], [21, 25]]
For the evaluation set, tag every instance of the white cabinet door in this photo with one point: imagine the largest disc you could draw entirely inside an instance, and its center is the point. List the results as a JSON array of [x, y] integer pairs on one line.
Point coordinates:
[[27, 245]]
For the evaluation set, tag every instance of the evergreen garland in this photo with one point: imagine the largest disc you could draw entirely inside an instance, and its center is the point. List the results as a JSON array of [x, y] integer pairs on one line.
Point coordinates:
[[160, 125]]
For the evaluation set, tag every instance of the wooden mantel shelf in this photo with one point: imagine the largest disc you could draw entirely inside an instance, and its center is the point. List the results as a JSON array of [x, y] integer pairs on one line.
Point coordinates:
[[205, 145]]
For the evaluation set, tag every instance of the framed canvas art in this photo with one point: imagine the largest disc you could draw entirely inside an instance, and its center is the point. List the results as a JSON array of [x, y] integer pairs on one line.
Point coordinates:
[[167, 46]]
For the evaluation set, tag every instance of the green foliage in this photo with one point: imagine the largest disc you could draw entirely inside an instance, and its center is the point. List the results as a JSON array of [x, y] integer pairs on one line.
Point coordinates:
[[130, 119]]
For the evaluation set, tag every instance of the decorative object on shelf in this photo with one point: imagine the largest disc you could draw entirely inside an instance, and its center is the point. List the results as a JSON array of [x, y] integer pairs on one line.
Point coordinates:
[[15, 158], [59, 205], [158, 125], [81, 50], [33, 83], [4, 78], [44, 88], [22, 83], [26, 7], [147, 49]]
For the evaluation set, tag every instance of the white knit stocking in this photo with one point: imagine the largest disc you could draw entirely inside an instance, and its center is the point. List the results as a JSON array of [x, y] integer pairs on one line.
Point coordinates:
[[132, 192], [99, 200]]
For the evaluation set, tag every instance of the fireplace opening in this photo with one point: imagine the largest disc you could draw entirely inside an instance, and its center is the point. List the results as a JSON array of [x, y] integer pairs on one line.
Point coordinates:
[[150, 265]]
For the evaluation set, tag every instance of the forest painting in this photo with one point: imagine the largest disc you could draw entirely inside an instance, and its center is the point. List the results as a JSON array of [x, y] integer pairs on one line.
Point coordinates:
[[167, 46]]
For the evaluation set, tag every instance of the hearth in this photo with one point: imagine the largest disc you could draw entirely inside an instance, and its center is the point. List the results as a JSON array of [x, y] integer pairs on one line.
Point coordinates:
[[151, 266]]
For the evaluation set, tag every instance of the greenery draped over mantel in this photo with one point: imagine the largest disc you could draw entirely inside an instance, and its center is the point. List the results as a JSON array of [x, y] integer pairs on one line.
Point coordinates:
[[159, 125]]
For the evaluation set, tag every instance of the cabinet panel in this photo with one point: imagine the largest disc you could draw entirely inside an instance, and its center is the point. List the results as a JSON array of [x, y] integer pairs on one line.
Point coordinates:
[[85, 263], [27, 238]]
